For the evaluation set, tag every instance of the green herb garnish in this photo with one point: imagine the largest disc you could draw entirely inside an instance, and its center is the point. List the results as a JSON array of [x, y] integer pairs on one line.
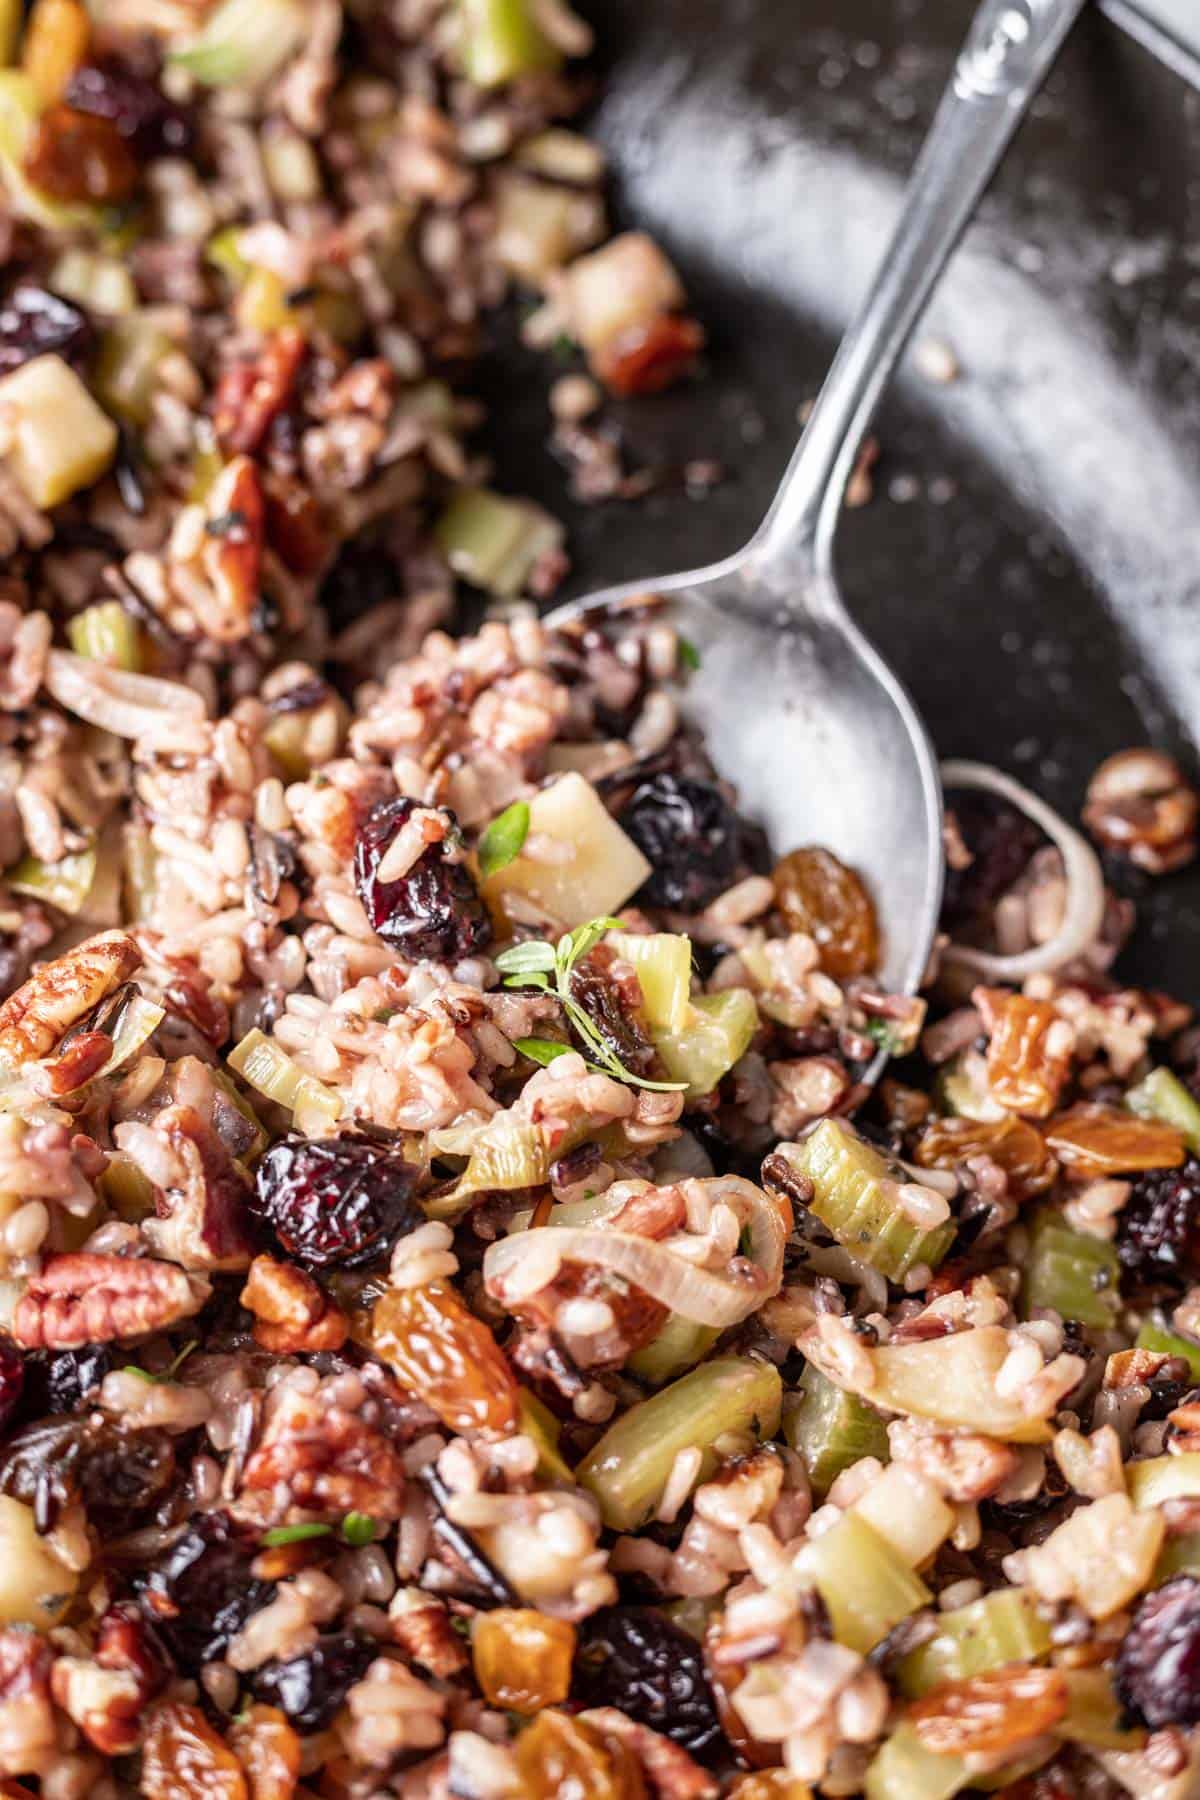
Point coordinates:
[[292, 1534], [358, 1529], [883, 1033], [548, 967], [501, 842], [541, 1050], [689, 656]]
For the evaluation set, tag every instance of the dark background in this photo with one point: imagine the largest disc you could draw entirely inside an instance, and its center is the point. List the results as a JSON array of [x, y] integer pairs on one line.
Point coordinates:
[[1031, 560]]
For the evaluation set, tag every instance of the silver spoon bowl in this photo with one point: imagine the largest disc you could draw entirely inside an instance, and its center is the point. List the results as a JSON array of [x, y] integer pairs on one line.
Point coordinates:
[[798, 710]]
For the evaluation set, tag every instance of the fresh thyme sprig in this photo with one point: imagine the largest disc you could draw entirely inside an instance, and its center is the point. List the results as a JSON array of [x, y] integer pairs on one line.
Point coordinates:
[[547, 967]]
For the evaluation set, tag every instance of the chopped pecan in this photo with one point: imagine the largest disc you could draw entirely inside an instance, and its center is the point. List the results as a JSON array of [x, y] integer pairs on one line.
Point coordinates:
[[291, 1311], [87, 1298], [422, 1628], [58, 993], [671, 1772], [27, 1732], [104, 1703], [327, 1458], [654, 1213], [269, 1751], [200, 1191], [1140, 804], [989, 1713], [1133, 1368], [232, 554], [251, 394], [964, 1469]]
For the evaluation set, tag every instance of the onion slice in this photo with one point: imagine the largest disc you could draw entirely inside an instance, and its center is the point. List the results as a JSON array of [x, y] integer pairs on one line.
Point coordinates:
[[696, 1294], [1084, 913], [128, 705]]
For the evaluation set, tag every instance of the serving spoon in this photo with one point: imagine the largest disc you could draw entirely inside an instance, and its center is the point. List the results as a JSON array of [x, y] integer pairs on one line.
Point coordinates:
[[799, 710]]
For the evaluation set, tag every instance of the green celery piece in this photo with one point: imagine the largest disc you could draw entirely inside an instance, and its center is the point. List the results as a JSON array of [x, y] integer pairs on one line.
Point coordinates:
[[715, 1034], [630, 1466], [1072, 1273], [1179, 1556], [866, 1586], [1161, 1095], [1002, 1627], [663, 961], [832, 1429], [852, 1198], [242, 43], [1168, 1343], [678, 1347], [501, 40], [957, 1095], [903, 1769], [493, 542], [65, 884], [1094, 1713], [106, 633], [1156, 1479]]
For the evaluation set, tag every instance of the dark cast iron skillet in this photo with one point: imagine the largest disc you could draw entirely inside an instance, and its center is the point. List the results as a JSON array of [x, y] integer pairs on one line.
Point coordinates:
[[1030, 564]]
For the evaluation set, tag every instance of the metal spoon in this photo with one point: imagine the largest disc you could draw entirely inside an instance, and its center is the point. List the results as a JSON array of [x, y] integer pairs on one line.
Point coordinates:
[[800, 712]]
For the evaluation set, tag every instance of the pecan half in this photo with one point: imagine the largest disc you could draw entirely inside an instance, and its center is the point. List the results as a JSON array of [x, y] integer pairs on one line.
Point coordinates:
[[232, 554], [672, 1773], [57, 993], [327, 1458], [1140, 804], [27, 1732], [201, 1192], [422, 1628], [250, 394], [988, 1713], [291, 1311], [86, 1298]]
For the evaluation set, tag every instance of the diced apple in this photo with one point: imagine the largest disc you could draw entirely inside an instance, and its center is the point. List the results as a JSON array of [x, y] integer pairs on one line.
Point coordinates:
[[60, 439], [33, 1582], [617, 288], [597, 867]]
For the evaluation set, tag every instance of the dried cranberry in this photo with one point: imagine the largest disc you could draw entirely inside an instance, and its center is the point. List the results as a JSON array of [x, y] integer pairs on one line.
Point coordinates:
[[12, 1381], [123, 1474], [108, 88], [35, 323], [1001, 841], [202, 1592], [689, 834], [634, 1658], [1157, 1675], [434, 909], [311, 1687], [362, 576], [336, 1201], [1158, 1228], [610, 1011]]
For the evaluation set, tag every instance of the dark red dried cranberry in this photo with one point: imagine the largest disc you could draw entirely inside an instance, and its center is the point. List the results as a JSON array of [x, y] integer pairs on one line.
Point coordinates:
[[310, 1688], [34, 322], [362, 576], [1157, 1677], [689, 834], [634, 1658], [1001, 841], [339, 1201], [109, 88], [201, 1593], [12, 1381], [432, 911], [1158, 1228], [122, 1475]]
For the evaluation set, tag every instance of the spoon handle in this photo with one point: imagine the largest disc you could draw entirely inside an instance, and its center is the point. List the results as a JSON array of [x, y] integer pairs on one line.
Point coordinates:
[[1007, 55]]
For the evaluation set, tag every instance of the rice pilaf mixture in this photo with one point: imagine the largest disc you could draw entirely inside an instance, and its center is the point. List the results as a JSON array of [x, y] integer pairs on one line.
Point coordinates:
[[475, 1321]]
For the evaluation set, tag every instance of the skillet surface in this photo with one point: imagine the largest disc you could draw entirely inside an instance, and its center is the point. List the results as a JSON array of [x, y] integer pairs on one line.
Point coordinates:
[[1031, 561]]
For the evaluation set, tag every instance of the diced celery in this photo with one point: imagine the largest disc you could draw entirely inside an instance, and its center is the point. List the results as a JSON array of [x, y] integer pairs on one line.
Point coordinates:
[[263, 1065], [242, 43], [539, 1423], [258, 1143], [65, 884], [1071, 1273], [61, 441], [716, 1034], [1094, 1713], [494, 542], [604, 868], [679, 1346], [1002, 1627], [500, 40], [1161, 1478], [908, 1512], [692, 1615], [503, 1154], [1179, 1556], [903, 1769], [855, 1195], [106, 633], [1169, 1343], [126, 1189], [867, 1588], [663, 961], [126, 369], [832, 1429], [628, 1469], [100, 283], [958, 1095], [223, 252], [262, 302], [140, 860], [1161, 1095]]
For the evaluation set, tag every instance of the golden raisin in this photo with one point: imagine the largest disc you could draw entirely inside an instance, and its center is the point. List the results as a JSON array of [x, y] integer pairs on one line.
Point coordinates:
[[445, 1355], [559, 1756], [1014, 1144], [820, 896], [522, 1658], [1029, 1051], [54, 45], [268, 1750], [769, 1784], [1091, 1140], [183, 1758], [986, 1714], [78, 157]]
